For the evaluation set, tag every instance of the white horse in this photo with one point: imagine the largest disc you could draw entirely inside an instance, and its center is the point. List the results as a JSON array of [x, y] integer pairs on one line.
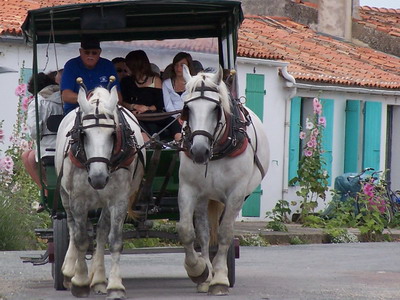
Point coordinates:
[[220, 168], [99, 159]]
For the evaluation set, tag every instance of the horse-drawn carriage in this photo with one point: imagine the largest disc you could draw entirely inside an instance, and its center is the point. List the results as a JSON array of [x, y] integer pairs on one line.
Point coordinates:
[[204, 155]]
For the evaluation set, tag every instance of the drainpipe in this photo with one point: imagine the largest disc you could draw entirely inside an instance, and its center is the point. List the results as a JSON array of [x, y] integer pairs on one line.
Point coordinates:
[[291, 85]]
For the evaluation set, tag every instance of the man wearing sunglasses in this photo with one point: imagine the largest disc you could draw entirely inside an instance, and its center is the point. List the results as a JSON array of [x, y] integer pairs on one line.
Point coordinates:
[[93, 69]]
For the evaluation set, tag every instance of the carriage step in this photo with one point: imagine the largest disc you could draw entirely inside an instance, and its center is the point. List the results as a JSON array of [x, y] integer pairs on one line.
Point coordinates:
[[44, 233], [36, 260]]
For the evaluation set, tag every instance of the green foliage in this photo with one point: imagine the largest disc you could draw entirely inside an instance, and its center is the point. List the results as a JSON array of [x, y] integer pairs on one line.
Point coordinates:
[[313, 221], [295, 240], [311, 177], [253, 240], [279, 215], [18, 193], [341, 235]]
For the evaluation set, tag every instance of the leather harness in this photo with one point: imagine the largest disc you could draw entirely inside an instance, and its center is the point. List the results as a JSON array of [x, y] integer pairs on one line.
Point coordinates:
[[125, 143]]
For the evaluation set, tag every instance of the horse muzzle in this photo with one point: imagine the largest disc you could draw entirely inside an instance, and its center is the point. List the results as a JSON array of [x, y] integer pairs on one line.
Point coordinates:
[[200, 153], [98, 181]]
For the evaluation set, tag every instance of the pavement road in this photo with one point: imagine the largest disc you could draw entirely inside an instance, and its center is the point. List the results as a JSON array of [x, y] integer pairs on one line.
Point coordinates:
[[321, 271]]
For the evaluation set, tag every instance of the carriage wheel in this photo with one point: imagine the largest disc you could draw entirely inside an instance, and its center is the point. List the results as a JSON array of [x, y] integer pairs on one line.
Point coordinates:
[[60, 240], [230, 262]]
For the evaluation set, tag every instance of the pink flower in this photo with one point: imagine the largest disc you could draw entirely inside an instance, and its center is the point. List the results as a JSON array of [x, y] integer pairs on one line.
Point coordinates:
[[368, 189], [315, 132], [21, 90], [308, 153], [25, 102], [1, 135], [311, 144], [302, 135], [317, 106], [322, 121], [7, 164]]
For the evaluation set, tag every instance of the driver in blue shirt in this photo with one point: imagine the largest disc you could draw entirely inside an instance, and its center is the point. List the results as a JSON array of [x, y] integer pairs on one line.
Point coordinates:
[[93, 69]]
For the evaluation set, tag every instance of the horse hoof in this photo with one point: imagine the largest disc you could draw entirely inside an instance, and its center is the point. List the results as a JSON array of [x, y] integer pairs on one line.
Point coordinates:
[[218, 290], [116, 295], [80, 291], [67, 282], [203, 287], [202, 278], [100, 288]]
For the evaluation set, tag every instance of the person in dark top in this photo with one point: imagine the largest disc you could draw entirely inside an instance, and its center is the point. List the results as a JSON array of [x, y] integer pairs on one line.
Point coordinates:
[[142, 94]]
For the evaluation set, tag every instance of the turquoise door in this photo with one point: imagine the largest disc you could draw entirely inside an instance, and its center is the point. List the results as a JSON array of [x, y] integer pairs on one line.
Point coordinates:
[[255, 101], [363, 135], [372, 135], [352, 136]]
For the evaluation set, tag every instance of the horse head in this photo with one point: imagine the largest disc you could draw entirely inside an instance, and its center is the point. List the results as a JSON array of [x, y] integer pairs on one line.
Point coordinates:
[[97, 132], [204, 110]]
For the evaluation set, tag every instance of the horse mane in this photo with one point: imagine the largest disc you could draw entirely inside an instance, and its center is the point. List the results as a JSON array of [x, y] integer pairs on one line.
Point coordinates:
[[207, 78], [103, 96]]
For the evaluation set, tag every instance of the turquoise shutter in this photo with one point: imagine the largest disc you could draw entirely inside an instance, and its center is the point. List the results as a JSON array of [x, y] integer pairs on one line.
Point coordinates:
[[255, 93], [294, 140], [255, 101], [372, 134], [352, 132], [327, 137], [26, 74]]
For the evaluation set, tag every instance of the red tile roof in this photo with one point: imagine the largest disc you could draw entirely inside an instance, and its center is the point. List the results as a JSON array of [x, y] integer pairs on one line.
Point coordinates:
[[13, 12], [312, 56], [316, 57], [382, 19]]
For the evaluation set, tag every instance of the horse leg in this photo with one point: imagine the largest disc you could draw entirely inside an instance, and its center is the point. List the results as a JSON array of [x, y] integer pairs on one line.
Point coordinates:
[[68, 267], [220, 283], [115, 288], [195, 265], [203, 237], [97, 274], [80, 282]]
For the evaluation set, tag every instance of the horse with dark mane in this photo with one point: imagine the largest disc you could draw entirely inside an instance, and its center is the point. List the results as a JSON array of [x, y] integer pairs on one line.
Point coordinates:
[[227, 156]]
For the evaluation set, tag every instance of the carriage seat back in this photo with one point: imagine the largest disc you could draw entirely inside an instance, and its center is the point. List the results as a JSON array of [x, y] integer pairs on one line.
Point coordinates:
[[53, 122]]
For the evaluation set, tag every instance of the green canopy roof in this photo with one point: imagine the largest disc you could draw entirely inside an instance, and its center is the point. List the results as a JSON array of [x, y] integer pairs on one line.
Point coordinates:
[[134, 20]]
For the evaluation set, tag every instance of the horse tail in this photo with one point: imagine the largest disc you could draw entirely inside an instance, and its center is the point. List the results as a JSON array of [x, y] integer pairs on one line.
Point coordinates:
[[215, 210], [132, 201]]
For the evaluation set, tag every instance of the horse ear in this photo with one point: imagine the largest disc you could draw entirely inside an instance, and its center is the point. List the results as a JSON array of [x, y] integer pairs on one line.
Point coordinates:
[[82, 101], [186, 73], [112, 103], [218, 76]]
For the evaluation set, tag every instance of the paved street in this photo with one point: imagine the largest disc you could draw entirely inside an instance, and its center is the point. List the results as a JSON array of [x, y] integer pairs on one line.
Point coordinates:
[[322, 271]]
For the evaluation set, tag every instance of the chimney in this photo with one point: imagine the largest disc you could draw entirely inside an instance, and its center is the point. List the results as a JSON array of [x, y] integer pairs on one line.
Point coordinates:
[[335, 17]]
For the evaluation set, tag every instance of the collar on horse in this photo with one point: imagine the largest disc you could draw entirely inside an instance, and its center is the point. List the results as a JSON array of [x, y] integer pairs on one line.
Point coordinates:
[[125, 144]]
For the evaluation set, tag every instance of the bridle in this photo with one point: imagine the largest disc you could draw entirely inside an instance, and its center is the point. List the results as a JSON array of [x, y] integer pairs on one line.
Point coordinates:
[[77, 134], [188, 134]]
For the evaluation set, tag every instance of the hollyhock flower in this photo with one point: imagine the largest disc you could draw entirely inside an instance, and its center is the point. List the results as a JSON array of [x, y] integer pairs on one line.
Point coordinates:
[[315, 132], [21, 90], [25, 103], [1, 135], [322, 121], [317, 106], [309, 125], [302, 135], [311, 144], [308, 153]]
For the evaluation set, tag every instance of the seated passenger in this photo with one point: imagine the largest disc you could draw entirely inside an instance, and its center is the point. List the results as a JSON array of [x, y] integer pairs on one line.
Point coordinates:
[[93, 69], [120, 67], [49, 98], [142, 94], [174, 87], [197, 66]]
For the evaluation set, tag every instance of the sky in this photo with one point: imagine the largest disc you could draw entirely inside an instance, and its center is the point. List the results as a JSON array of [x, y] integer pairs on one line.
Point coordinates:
[[381, 3]]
